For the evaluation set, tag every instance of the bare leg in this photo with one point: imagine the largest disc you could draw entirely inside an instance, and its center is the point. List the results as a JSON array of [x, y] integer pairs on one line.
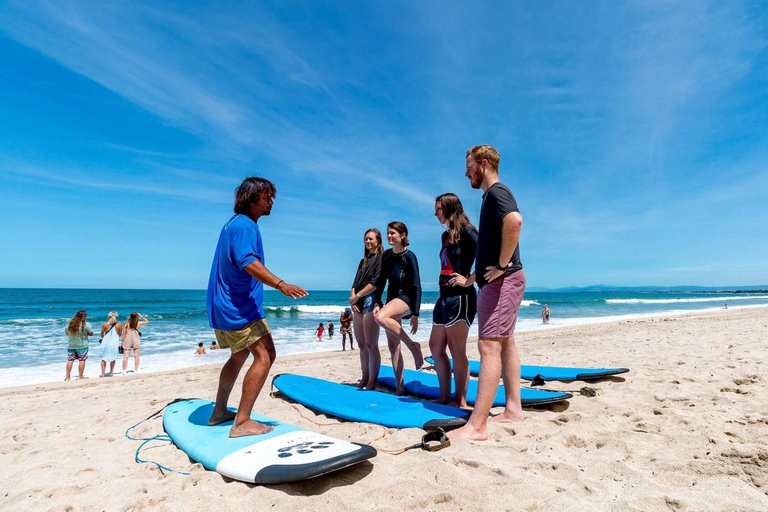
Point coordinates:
[[457, 344], [69, 370], [362, 344], [126, 355], [80, 369], [263, 356], [397, 362], [437, 345], [136, 360], [352, 341], [371, 329], [227, 378], [510, 366], [343, 342], [389, 317], [103, 367], [111, 368], [487, 385]]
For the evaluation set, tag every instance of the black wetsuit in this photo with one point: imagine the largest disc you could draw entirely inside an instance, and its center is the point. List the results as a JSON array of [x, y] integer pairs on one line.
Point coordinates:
[[367, 273], [457, 258], [402, 273]]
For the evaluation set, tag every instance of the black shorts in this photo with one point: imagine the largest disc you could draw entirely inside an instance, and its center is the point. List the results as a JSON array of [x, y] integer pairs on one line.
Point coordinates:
[[449, 310]]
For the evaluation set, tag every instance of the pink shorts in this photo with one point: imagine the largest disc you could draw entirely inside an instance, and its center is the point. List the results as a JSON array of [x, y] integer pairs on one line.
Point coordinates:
[[498, 304]]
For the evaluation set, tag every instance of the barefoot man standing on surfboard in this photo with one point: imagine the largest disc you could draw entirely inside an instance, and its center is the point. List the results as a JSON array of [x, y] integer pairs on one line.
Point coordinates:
[[234, 302], [500, 276]]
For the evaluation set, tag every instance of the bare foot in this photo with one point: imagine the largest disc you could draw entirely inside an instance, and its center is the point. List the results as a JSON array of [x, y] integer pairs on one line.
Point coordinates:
[[455, 403], [400, 391], [370, 387], [217, 419], [507, 417], [65, 380], [249, 428], [468, 432]]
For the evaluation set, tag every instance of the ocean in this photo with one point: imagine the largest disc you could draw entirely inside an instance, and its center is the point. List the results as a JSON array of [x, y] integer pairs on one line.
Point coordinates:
[[32, 322]]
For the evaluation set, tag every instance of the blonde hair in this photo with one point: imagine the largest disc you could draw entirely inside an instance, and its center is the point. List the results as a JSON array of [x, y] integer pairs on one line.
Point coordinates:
[[485, 152], [113, 317]]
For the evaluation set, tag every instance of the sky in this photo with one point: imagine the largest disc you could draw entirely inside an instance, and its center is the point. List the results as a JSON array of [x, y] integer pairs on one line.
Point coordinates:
[[634, 135]]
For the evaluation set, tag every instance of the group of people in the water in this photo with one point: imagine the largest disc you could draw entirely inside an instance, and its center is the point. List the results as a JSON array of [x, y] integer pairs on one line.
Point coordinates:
[[116, 341]]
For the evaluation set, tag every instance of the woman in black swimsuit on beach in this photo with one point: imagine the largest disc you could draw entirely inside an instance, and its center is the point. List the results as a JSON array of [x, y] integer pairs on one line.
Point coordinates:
[[400, 269]]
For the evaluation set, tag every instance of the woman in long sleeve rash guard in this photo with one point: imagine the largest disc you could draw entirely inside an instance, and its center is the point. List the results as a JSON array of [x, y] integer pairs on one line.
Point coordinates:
[[456, 308], [362, 299], [399, 268]]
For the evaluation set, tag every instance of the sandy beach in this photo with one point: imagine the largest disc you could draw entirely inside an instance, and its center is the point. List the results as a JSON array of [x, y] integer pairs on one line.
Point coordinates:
[[686, 429]]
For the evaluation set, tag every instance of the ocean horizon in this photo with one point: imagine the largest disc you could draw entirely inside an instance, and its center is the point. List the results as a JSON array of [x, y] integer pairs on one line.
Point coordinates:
[[32, 322]]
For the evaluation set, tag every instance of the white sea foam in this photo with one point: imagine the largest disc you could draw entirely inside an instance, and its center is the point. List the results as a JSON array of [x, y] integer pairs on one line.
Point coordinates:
[[679, 301], [530, 303]]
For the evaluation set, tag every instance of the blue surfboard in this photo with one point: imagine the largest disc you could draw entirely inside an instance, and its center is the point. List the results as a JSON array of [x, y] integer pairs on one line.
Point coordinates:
[[529, 372], [287, 454], [355, 404], [426, 385]]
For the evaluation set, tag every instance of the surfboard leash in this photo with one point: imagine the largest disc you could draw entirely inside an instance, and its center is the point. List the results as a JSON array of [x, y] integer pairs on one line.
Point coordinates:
[[160, 437]]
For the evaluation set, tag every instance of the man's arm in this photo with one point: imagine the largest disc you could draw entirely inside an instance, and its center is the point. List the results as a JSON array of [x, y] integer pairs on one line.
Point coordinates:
[[261, 273], [511, 225]]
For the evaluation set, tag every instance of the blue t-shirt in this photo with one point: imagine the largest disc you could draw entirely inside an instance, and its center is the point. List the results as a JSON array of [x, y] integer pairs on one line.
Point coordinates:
[[234, 297]]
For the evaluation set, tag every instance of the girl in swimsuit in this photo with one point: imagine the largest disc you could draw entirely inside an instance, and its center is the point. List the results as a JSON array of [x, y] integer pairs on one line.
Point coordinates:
[[132, 339]]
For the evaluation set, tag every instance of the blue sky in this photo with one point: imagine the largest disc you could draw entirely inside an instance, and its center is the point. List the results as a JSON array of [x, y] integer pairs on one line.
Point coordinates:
[[633, 135]]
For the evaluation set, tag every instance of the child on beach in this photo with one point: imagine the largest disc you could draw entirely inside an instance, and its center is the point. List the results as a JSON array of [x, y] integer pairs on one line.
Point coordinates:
[[319, 331]]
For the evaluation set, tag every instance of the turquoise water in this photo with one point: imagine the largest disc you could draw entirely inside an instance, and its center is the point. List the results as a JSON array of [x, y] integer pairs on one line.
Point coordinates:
[[32, 322]]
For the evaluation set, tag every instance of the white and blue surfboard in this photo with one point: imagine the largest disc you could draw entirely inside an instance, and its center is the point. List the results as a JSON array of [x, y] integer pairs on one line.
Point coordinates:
[[287, 454]]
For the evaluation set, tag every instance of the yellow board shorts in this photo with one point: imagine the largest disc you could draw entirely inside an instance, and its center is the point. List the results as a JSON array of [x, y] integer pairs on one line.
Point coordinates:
[[240, 339]]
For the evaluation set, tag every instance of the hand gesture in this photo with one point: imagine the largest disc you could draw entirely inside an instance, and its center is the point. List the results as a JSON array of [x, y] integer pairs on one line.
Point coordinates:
[[292, 291], [457, 280]]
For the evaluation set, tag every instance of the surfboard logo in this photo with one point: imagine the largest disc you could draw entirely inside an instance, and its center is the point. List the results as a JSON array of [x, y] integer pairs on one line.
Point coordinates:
[[303, 448]]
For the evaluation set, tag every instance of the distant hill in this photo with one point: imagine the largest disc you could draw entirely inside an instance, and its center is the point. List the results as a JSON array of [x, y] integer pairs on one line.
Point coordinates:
[[613, 288]]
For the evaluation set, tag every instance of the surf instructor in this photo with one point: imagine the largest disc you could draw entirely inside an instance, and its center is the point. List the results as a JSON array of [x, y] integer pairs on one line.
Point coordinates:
[[234, 303]]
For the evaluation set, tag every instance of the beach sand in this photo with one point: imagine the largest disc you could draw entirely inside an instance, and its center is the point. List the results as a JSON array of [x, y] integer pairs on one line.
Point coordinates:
[[686, 429]]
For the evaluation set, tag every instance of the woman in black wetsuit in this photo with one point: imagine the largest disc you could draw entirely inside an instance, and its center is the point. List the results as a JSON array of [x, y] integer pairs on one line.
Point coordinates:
[[456, 308], [399, 268], [361, 300]]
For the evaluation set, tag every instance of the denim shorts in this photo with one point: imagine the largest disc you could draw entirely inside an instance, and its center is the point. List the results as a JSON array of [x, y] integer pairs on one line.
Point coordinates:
[[365, 304]]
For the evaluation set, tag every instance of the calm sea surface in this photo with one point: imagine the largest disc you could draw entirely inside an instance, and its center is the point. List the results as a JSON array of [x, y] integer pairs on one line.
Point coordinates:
[[32, 322]]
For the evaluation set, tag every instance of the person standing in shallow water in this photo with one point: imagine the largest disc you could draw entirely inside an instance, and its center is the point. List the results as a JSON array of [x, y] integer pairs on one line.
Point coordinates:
[[78, 331], [235, 305], [362, 300], [499, 273], [132, 339], [345, 320], [111, 331], [545, 314], [399, 268]]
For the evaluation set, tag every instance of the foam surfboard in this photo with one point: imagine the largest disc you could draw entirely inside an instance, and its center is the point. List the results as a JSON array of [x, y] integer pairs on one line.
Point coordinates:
[[529, 372], [354, 404], [287, 454], [426, 385]]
